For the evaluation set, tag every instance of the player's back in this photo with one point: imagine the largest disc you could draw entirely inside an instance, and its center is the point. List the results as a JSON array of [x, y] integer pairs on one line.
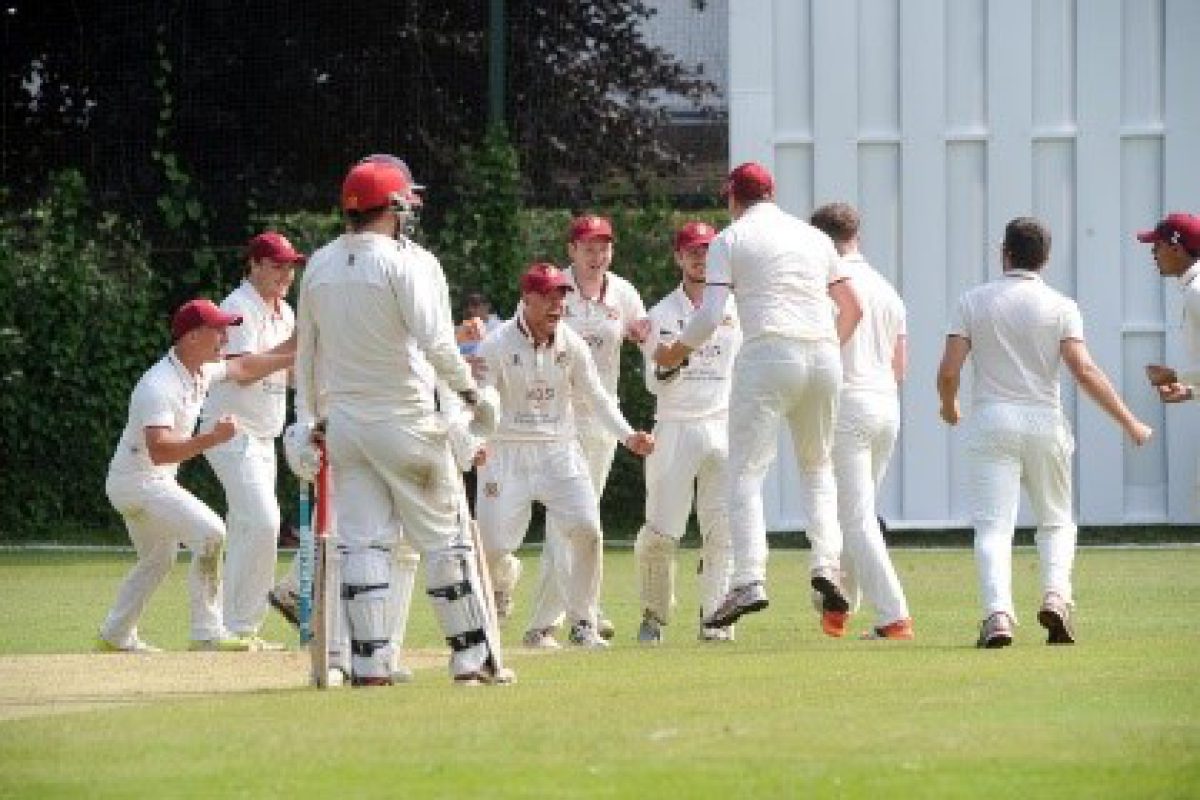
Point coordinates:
[[868, 355]]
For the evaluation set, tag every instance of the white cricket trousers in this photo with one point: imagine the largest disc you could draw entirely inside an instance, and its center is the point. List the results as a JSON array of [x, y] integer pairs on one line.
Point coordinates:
[[246, 467], [690, 459], [863, 440], [555, 474], [549, 607], [777, 379], [160, 515], [1010, 446]]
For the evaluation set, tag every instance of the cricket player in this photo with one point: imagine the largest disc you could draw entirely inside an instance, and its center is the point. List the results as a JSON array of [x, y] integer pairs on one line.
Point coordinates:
[[1020, 331], [245, 465], [874, 362], [373, 308], [1175, 245], [692, 449], [543, 371], [605, 310], [795, 306], [158, 512]]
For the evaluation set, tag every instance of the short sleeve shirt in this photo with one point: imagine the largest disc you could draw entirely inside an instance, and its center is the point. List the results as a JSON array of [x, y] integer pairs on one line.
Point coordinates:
[[867, 356], [601, 322], [779, 269], [260, 407], [1016, 325], [166, 396]]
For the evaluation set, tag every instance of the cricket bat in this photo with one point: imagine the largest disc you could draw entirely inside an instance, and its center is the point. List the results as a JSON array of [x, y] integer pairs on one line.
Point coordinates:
[[305, 567], [489, 598], [325, 589]]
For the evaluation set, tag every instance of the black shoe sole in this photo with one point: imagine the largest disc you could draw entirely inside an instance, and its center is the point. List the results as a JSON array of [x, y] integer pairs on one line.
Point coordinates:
[[736, 614], [284, 611], [1058, 631], [996, 642], [832, 598]]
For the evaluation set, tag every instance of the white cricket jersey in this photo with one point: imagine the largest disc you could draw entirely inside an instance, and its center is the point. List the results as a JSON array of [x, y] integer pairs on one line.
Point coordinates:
[[602, 323], [166, 396], [1189, 284], [779, 269], [701, 390], [260, 407], [540, 388], [1016, 325], [370, 310], [867, 356]]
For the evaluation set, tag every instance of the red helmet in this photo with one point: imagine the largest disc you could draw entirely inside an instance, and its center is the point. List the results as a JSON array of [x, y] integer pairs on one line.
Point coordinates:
[[378, 184]]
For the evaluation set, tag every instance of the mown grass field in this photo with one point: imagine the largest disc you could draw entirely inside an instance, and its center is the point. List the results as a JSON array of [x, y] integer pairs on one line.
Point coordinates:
[[783, 712]]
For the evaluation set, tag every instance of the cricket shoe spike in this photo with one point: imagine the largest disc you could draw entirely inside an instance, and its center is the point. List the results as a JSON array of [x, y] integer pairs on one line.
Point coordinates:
[[741, 600], [1055, 617], [996, 631]]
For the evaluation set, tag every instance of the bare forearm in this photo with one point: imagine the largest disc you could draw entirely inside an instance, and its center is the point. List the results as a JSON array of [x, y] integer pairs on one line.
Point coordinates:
[[171, 450], [1097, 386]]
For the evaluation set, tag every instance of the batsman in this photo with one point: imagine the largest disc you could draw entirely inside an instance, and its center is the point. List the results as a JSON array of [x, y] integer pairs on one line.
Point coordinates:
[[374, 314]]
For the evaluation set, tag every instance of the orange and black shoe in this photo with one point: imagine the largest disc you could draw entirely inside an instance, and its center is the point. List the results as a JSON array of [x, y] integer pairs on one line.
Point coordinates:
[[900, 630]]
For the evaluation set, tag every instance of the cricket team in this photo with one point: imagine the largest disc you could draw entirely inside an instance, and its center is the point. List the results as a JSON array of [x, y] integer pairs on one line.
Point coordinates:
[[774, 320]]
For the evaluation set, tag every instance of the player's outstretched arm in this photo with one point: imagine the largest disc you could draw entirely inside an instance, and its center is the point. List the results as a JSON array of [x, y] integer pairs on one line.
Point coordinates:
[[1093, 381]]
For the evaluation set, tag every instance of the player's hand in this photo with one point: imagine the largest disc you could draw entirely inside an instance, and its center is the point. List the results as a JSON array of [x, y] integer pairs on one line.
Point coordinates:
[[638, 330], [1160, 375], [950, 413], [471, 330], [1140, 432], [1175, 393], [669, 356], [481, 456], [225, 429], [640, 443]]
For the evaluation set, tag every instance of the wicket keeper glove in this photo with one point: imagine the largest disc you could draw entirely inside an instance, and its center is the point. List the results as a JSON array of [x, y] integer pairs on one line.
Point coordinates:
[[301, 451], [667, 375], [487, 412]]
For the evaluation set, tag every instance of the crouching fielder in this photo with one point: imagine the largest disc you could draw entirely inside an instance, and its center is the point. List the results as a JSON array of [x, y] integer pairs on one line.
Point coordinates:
[[692, 453], [541, 369], [373, 307]]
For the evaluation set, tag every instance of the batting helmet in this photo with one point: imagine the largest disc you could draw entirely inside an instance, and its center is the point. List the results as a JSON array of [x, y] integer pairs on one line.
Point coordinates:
[[377, 184]]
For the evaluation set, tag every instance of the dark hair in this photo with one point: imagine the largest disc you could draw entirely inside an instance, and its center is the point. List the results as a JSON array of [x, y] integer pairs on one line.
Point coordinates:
[[839, 221], [1027, 243]]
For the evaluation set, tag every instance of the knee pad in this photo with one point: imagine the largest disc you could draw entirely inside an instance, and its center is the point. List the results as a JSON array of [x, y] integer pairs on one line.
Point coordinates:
[[366, 595], [655, 556], [453, 588]]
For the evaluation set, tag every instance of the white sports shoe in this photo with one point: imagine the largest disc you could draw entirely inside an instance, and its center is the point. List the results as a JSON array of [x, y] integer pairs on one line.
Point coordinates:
[[741, 600], [650, 631], [584, 634], [709, 634], [540, 639], [136, 646]]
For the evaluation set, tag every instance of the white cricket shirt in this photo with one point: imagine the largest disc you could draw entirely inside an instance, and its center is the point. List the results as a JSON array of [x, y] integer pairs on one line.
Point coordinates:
[[701, 390], [260, 407], [166, 396], [779, 269], [541, 388], [1189, 284], [602, 322], [370, 309], [867, 356], [1016, 325]]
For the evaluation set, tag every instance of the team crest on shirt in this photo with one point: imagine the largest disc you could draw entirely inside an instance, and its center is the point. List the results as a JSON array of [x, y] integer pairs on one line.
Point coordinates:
[[491, 489]]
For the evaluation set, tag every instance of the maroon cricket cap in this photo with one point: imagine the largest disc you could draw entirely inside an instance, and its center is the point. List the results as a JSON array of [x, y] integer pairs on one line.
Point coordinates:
[[748, 182], [200, 313], [694, 234], [276, 247], [543, 279], [590, 226], [1177, 228]]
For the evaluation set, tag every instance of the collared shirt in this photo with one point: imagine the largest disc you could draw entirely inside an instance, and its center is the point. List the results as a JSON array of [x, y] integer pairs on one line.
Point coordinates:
[[602, 322], [1016, 325], [867, 356], [701, 390], [166, 396], [261, 407], [1189, 284], [370, 310], [779, 269], [541, 387]]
